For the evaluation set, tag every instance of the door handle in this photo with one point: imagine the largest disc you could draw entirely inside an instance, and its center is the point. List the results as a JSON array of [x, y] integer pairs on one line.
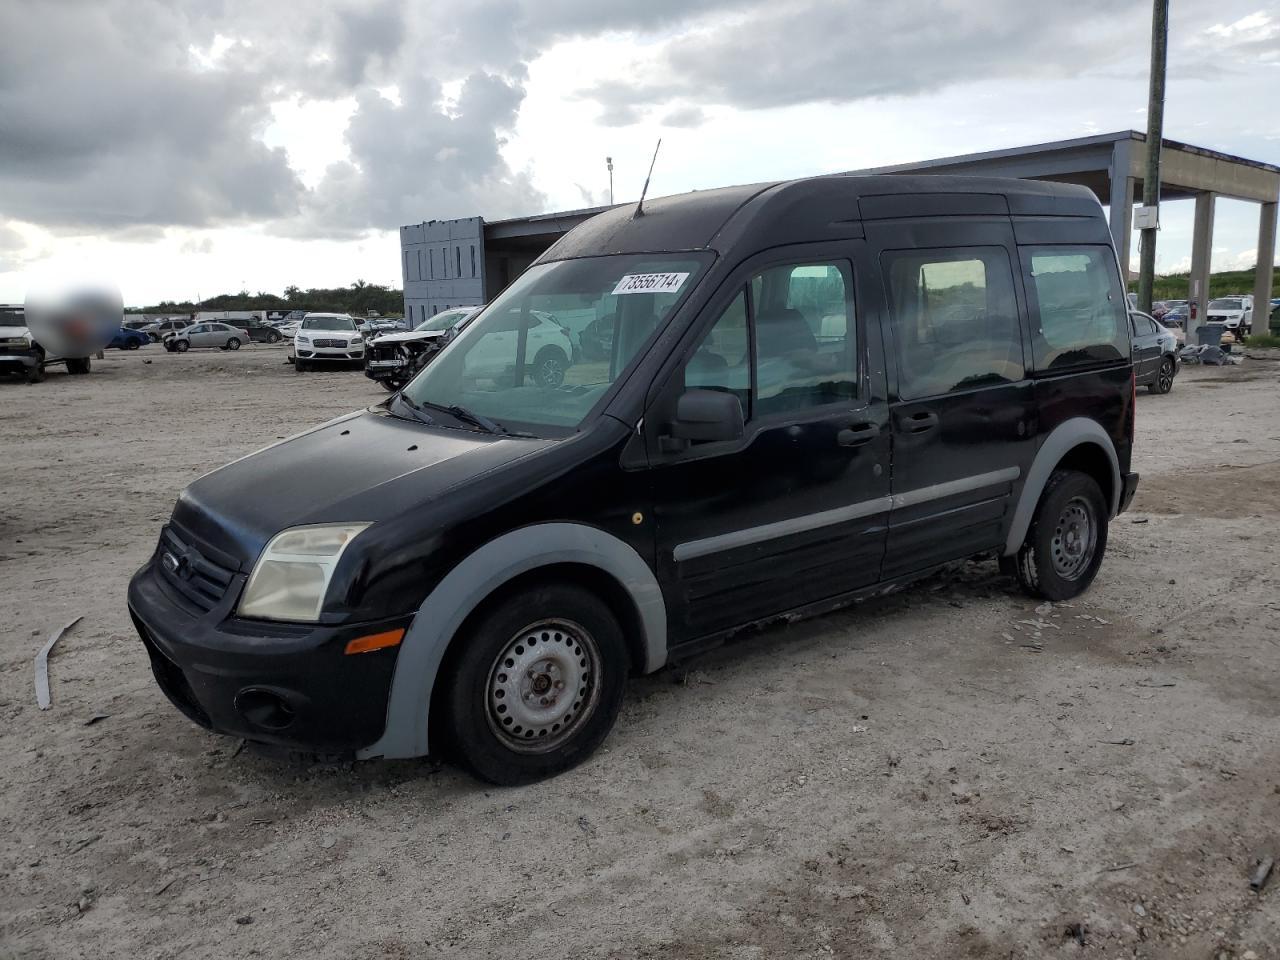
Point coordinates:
[[858, 434], [919, 422]]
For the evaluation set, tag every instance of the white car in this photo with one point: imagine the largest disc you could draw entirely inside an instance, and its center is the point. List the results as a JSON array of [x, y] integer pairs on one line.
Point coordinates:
[[326, 338], [548, 350], [1235, 312]]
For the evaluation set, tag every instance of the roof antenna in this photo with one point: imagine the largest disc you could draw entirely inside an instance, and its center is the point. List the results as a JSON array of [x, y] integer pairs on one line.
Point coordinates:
[[640, 206]]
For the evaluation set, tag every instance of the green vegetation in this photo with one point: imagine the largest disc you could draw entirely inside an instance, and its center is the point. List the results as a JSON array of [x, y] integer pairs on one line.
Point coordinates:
[[355, 299], [1177, 286], [1261, 340]]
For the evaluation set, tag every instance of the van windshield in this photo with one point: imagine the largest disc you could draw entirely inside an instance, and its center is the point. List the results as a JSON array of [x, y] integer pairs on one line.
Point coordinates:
[[543, 354]]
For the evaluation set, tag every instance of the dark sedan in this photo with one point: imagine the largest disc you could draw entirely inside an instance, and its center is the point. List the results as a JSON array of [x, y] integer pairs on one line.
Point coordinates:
[[1155, 352]]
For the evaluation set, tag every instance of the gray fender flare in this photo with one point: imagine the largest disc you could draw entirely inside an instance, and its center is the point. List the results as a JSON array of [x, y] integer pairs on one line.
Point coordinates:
[[465, 587], [1065, 436]]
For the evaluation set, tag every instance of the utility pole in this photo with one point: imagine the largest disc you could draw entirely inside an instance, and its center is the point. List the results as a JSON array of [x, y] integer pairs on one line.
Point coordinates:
[[609, 162], [1155, 143]]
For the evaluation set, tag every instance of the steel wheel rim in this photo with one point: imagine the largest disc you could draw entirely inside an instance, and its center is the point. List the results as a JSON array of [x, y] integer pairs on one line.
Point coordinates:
[[543, 686], [1166, 376], [1075, 539]]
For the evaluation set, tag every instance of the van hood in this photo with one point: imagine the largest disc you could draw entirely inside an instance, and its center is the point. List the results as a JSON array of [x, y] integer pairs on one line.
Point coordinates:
[[366, 466]]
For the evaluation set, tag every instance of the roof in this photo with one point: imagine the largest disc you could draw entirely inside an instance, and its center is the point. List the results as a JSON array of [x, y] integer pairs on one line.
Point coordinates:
[[814, 208]]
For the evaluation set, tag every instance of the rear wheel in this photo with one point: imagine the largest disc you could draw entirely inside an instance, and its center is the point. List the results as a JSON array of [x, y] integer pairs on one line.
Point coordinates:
[[535, 686], [78, 365], [1163, 382], [549, 367], [273, 337], [1067, 539], [133, 345], [233, 344]]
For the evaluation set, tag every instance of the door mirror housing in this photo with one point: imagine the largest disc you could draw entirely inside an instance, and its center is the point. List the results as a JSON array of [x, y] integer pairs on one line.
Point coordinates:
[[707, 416]]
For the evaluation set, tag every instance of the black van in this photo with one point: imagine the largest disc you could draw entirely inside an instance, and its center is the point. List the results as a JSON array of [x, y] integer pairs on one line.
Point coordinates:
[[814, 390]]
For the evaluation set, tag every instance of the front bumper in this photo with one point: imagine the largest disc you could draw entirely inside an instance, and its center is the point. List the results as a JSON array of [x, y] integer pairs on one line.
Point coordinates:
[[12, 361], [1128, 487], [313, 352], [288, 685]]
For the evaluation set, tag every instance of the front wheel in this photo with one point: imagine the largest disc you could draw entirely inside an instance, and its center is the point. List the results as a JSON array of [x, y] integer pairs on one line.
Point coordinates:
[[181, 346], [1067, 539], [133, 345], [233, 344], [1163, 382], [535, 686], [78, 365], [299, 366]]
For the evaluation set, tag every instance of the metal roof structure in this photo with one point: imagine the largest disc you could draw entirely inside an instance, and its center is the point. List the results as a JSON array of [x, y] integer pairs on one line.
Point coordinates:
[[468, 261]]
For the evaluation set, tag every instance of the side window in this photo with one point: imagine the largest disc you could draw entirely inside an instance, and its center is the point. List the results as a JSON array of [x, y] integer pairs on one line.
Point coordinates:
[[1079, 308], [806, 355], [955, 319], [802, 321], [723, 357]]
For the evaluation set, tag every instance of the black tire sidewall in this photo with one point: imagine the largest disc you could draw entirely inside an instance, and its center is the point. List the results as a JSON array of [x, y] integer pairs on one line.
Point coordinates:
[[463, 694], [1044, 580], [549, 353], [233, 344], [181, 346]]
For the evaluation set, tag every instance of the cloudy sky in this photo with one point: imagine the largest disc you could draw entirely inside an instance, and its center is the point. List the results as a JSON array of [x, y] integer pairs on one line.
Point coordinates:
[[191, 147]]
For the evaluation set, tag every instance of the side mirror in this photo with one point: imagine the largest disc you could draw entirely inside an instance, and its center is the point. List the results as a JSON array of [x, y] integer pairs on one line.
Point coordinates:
[[706, 416]]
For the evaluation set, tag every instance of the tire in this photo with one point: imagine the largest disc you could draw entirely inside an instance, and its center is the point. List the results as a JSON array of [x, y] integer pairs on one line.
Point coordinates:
[[1058, 560], [181, 346], [78, 365], [233, 344], [391, 386], [36, 374], [274, 338], [549, 367], [1163, 382], [133, 345], [483, 701]]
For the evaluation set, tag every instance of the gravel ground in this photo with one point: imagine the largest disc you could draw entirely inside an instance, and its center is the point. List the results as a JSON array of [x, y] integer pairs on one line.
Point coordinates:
[[950, 771]]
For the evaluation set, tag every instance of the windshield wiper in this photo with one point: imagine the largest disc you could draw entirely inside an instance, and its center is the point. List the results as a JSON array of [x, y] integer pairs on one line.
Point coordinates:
[[459, 412], [418, 413]]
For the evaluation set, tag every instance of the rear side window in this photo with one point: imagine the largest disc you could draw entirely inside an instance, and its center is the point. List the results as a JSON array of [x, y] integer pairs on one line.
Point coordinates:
[[955, 319], [1078, 308]]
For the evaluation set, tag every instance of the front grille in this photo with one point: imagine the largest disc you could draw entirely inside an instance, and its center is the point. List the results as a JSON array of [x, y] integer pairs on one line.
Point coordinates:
[[330, 343], [200, 580]]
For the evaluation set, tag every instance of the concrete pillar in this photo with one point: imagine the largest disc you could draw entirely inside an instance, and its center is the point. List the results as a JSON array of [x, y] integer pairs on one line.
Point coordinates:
[[1266, 259], [1120, 205], [1201, 255]]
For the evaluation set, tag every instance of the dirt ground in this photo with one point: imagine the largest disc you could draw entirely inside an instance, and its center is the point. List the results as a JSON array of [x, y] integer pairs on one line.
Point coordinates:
[[947, 772]]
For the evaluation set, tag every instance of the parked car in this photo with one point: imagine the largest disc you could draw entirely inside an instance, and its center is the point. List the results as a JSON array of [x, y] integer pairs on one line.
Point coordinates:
[[326, 338], [1235, 312], [137, 324], [1155, 353], [210, 334], [474, 567], [163, 328], [289, 329], [259, 331], [1174, 326], [393, 359], [375, 325], [129, 339]]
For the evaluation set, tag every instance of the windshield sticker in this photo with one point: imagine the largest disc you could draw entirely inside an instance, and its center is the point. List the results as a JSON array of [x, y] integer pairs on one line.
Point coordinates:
[[650, 283]]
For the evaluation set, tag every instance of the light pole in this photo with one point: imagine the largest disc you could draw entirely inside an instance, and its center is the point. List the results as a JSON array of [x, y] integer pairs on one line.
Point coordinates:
[[609, 162], [1155, 143]]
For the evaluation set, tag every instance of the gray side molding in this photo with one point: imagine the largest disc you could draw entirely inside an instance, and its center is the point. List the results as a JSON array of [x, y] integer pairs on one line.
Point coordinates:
[[1056, 445], [466, 586]]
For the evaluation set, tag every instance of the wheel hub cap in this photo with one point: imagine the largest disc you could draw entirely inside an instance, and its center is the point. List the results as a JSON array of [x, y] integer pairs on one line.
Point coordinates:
[[543, 686]]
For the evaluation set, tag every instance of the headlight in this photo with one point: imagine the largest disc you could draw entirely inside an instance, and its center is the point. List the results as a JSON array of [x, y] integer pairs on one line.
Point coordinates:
[[301, 338], [290, 578]]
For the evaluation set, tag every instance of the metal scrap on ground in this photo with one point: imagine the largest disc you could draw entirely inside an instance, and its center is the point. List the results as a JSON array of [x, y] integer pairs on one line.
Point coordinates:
[[42, 665]]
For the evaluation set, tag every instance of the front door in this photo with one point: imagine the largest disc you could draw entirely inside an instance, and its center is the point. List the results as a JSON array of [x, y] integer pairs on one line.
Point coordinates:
[[962, 405], [794, 512]]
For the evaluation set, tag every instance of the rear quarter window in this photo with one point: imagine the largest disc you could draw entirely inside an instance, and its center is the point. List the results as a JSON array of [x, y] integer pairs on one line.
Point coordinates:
[[1077, 306]]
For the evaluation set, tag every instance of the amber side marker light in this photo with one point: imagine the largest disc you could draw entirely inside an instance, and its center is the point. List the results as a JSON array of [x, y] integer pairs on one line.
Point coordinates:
[[375, 641]]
